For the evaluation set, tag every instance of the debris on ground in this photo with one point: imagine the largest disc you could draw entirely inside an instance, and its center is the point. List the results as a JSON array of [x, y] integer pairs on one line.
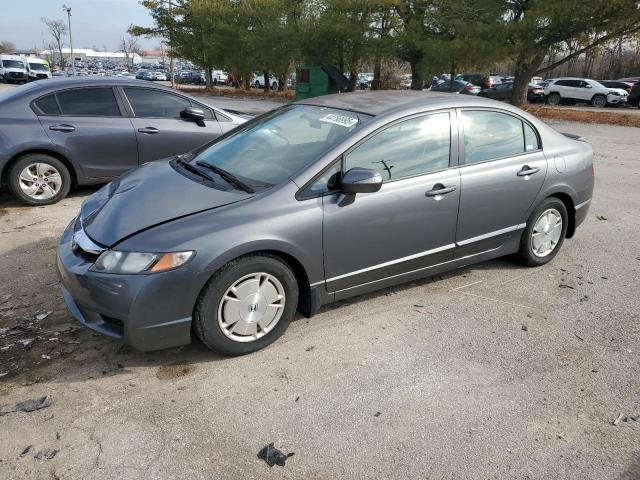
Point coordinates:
[[27, 405], [626, 418], [46, 454], [377, 414], [601, 217], [525, 328], [579, 337], [26, 450], [273, 456], [42, 316], [564, 285], [308, 349]]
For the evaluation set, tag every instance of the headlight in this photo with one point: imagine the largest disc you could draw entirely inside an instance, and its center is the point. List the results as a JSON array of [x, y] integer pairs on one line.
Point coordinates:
[[617, 94], [113, 261]]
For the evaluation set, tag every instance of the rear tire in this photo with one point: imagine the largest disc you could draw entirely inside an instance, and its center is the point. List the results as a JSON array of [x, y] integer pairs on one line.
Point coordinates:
[[538, 244], [242, 292], [599, 101], [554, 99], [39, 179]]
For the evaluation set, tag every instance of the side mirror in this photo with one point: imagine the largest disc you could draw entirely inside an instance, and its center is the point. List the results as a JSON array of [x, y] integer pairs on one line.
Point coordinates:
[[194, 114], [361, 180]]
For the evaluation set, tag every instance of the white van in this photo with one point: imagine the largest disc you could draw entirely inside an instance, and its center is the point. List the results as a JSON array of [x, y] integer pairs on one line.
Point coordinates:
[[13, 69], [37, 68]]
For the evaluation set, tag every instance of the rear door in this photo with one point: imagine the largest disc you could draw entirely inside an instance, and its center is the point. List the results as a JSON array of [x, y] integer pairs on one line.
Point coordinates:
[[502, 170], [90, 127], [160, 130]]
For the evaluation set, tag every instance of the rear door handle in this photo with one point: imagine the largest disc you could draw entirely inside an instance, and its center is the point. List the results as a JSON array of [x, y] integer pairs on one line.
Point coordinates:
[[439, 189], [526, 171], [150, 130], [62, 128]]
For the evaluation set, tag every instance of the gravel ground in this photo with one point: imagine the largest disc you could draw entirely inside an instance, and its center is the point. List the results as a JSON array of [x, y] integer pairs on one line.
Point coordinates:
[[492, 371]]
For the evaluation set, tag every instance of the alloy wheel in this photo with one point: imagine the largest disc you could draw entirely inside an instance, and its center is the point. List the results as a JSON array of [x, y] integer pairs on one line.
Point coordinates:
[[546, 233], [40, 181], [251, 307]]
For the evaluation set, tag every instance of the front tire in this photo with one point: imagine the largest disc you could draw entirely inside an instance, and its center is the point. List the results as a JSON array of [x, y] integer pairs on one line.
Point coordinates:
[[599, 101], [39, 179], [554, 99], [544, 234], [246, 305]]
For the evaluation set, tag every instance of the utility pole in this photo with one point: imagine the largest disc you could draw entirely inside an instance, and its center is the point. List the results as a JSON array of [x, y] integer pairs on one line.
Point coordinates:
[[73, 61], [171, 60]]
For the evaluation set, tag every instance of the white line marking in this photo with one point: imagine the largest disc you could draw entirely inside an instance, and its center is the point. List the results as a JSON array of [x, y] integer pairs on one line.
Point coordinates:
[[465, 286]]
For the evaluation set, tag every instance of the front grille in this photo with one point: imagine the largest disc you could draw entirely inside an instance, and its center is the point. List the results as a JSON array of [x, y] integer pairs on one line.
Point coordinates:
[[16, 74]]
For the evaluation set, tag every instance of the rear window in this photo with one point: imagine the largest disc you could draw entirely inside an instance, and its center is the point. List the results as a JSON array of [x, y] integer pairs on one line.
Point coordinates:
[[89, 102]]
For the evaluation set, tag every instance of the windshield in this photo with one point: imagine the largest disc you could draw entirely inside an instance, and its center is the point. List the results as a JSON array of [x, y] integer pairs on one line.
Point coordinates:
[[38, 66], [12, 64], [270, 149]]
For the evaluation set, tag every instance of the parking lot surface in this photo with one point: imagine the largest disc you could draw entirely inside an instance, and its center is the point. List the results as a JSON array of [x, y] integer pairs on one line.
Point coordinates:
[[492, 371]]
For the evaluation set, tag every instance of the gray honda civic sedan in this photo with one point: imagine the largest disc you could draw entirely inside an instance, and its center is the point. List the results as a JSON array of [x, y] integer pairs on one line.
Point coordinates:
[[79, 131], [314, 202]]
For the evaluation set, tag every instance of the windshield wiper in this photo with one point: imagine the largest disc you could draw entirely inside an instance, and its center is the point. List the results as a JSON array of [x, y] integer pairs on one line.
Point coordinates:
[[229, 177], [187, 166]]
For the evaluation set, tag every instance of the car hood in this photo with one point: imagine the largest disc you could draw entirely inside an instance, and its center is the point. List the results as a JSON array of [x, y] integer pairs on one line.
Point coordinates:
[[145, 197]]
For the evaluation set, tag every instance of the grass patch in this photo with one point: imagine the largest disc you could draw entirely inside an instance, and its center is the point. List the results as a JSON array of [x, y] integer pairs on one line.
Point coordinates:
[[606, 118]]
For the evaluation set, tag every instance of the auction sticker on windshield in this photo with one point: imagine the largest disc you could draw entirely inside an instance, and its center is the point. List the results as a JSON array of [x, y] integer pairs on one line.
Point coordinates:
[[342, 120]]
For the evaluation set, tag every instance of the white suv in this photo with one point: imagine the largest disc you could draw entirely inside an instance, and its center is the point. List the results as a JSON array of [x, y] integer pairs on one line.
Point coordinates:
[[574, 90]]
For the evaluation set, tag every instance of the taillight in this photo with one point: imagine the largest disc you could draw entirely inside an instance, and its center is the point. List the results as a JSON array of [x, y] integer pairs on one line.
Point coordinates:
[[469, 87], [634, 88]]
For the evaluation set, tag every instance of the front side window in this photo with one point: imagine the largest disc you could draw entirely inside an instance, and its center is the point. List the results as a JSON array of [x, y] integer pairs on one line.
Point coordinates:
[[150, 103], [490, 135], [92, 102], [412, 147], [271, 148]]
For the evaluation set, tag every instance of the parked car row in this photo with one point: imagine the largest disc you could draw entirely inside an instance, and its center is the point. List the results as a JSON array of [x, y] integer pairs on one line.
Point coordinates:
[[19, 69], [91, 130]]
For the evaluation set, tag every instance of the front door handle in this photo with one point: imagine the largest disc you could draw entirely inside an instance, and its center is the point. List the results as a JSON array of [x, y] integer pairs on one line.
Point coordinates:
[[149, 130], [439, 189], [62, 128], [526, 171]]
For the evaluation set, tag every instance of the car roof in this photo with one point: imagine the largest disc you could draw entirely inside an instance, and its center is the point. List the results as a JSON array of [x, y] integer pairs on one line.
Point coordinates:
[[54, 84], [381, 102]]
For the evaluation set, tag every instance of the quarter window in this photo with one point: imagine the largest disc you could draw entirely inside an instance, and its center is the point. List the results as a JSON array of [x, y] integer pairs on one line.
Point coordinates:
[[88, 102], [411, 147], [150, 103], [48, 105], [490, 135]]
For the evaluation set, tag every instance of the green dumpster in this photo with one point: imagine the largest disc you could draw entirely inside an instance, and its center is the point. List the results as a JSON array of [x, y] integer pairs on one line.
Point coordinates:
[[313, 81]]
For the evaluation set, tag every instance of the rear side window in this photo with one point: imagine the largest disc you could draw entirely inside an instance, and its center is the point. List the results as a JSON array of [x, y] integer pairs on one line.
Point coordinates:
[[491, 135], [48, 105], [150, 103], [88, 102], [412, 147]]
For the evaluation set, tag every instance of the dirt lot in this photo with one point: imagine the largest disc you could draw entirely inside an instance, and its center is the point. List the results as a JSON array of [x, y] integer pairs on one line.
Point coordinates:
[[493, 371]]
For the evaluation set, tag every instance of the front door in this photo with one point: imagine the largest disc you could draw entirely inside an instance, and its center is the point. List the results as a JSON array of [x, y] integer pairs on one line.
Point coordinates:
[[502, 171], [87, 123], [410, 223], [160, 130]]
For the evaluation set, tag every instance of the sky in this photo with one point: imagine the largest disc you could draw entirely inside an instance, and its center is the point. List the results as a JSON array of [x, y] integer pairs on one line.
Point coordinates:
[[95, 23]]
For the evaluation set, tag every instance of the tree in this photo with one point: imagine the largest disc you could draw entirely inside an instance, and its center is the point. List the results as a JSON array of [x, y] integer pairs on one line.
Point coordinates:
[[57, 30], [532, 28], [7, 47], [130, 46]]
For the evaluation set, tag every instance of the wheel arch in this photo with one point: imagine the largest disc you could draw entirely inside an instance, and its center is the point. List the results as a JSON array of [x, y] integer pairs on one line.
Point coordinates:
[[566, 199], [307, 301], [43, 151]]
